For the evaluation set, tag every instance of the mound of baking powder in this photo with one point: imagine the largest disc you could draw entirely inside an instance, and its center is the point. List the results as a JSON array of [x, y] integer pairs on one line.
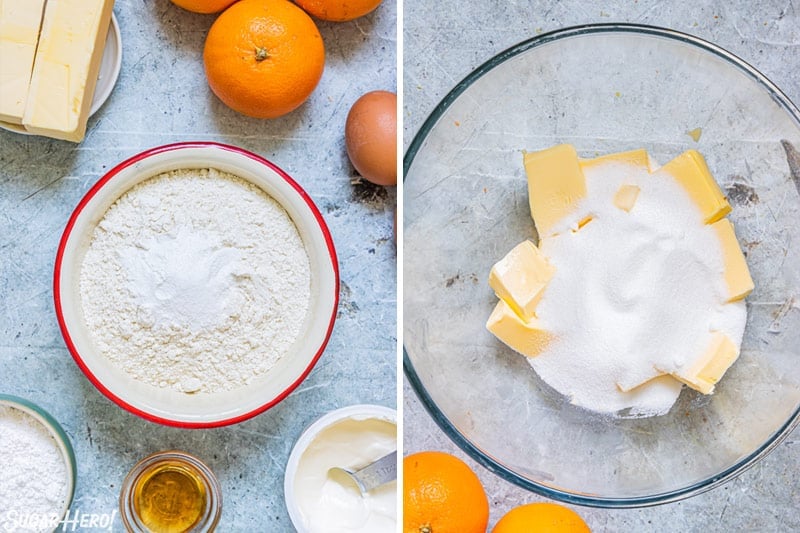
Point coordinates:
[[196, 280], [33, 474]]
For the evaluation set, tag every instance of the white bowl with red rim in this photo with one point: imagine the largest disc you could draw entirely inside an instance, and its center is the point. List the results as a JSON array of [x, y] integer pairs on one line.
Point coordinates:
[[168, 406]]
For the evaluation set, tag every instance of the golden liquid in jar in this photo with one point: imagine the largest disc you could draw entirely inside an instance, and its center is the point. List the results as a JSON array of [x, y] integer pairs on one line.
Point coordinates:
[[170, 498]]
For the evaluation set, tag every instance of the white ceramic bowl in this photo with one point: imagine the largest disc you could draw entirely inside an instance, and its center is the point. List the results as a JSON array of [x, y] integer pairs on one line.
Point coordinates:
[[168, 406], [354, 412], [64, 445]]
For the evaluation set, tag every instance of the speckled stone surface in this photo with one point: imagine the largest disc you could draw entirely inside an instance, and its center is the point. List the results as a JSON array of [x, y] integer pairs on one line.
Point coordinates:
[[162, 97], [445, 41]]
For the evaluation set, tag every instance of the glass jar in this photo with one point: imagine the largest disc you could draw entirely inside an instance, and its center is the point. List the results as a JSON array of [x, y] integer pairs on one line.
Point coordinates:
[[170, 492]]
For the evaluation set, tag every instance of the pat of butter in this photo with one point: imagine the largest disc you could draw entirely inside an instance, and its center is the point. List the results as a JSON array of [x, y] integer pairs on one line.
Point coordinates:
[[555, 185], [737, 275], [20, 21], [690, 170], [66, 67], [626, 196], [638, 158], [704, 373], [635, 378], [523, 336], [657, 379], [520, 277]]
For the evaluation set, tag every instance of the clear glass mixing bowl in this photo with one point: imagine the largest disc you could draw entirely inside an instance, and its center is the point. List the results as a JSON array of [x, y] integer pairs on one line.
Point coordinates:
[[603, 88]]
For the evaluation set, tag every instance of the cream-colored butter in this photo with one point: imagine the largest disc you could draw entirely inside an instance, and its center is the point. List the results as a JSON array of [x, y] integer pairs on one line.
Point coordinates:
[[555, 185], [524, 336], [705, 371], [690, 170], [643, 383], [737, 275], [626, 196], [20, 21], [520, 277], [66, 67], [638, 158]]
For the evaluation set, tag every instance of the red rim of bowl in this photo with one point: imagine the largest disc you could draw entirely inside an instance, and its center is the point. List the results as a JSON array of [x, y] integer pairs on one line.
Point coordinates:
[[60, 256]]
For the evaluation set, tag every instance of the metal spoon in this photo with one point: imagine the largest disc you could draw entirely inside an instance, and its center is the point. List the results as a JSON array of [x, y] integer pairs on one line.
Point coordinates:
[[371, 476]]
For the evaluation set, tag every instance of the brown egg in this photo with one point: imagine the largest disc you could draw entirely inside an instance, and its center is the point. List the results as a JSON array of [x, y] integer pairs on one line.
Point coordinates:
[[370, 135]]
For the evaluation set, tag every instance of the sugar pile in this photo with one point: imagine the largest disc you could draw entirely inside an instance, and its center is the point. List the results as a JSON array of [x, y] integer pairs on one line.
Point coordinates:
[[631, 290], [33, 486]]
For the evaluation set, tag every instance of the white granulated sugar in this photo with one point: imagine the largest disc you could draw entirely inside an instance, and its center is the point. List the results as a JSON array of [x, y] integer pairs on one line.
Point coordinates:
[[33, 474], [631, 290], [196, 280]]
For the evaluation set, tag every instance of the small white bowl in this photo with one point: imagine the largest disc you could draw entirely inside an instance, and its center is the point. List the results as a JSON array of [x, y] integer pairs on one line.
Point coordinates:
[[168, 406], [353, 412], [62, 441]]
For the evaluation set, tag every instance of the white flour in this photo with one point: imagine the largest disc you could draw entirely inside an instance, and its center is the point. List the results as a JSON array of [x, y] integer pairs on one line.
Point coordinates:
[[195, 280], [33, 474], [631, 290]]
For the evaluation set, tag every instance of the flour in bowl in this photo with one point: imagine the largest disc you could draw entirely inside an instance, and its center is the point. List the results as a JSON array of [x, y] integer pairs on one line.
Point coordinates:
[[195, 280]]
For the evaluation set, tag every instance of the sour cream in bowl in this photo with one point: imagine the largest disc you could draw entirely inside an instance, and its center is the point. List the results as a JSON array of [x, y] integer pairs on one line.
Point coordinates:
[[350, 437]]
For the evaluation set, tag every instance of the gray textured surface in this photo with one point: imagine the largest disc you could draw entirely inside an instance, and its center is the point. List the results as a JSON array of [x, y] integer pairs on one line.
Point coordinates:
[[443, 43], [162, 97]]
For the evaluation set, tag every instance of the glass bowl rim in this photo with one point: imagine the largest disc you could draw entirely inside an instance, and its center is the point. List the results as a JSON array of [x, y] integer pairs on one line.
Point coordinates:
[[414, 380]]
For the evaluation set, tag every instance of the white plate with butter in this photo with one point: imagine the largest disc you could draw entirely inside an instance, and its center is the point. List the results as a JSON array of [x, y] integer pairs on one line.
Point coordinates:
[[109, 72]]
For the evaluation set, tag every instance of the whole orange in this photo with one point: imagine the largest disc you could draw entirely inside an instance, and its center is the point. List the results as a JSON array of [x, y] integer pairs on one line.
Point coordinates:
[[542, 518], [203, 6], [338, 10], [441, 494], [263, 58]]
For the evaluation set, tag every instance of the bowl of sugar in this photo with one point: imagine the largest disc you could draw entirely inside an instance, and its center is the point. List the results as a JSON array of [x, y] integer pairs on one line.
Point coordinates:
[[196, 284], [534, 332], [38, 466]]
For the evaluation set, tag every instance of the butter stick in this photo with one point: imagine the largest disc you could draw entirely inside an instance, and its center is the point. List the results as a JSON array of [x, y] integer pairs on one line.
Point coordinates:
[[521, 277], [555, 185], [66, 67], [20, 21], [690, 170], [524, 336]]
